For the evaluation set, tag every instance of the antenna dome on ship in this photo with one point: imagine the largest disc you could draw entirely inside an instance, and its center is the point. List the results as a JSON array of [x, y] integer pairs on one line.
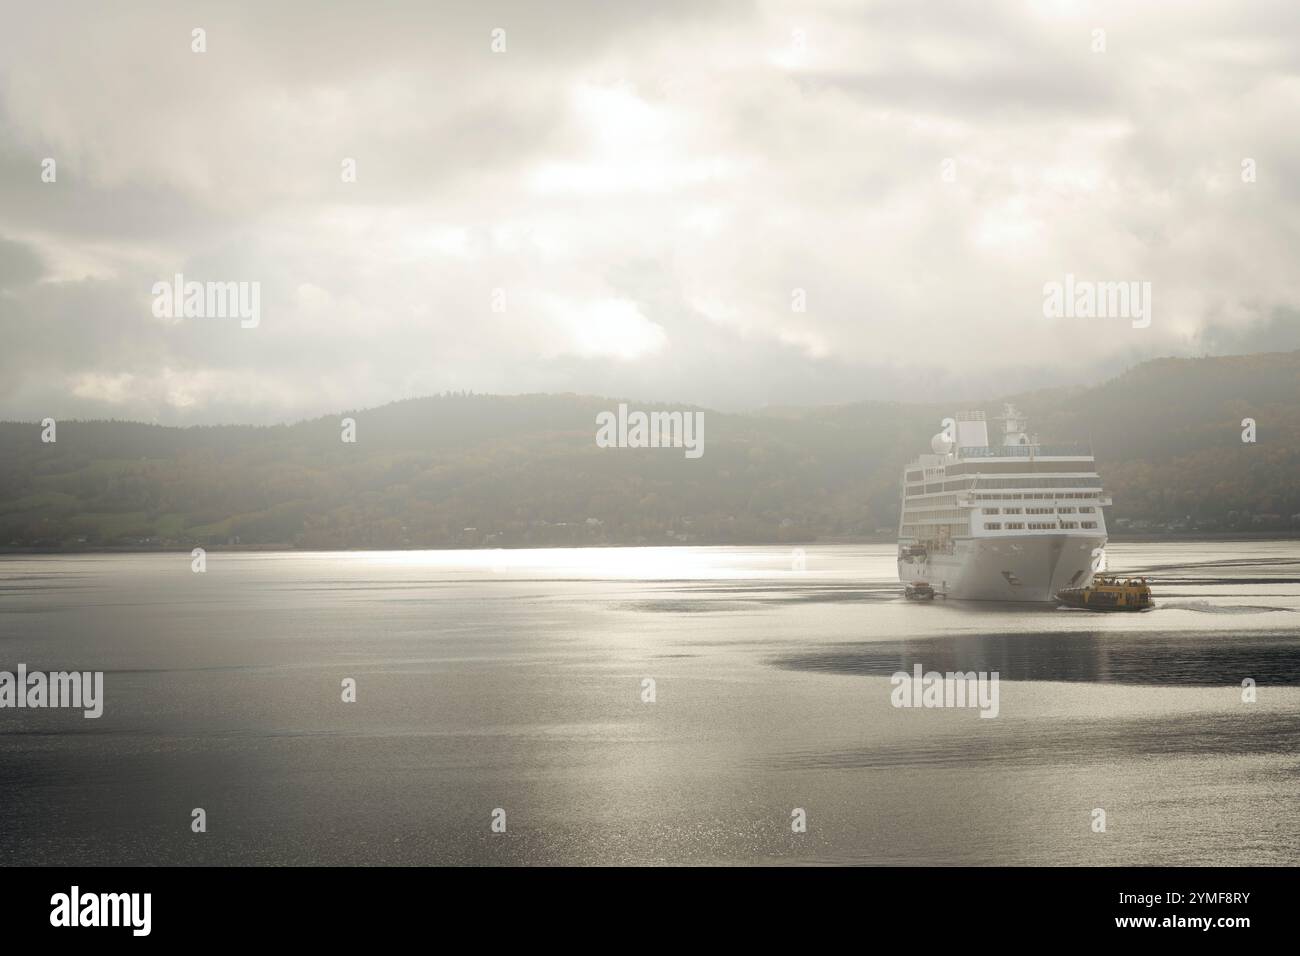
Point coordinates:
[[940, 445]]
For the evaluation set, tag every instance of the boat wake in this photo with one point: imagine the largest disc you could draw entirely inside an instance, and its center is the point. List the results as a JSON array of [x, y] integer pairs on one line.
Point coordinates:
[[1205, 607]]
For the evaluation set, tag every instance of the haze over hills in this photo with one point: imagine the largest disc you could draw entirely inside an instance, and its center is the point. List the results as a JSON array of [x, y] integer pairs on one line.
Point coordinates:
[[464, 470]]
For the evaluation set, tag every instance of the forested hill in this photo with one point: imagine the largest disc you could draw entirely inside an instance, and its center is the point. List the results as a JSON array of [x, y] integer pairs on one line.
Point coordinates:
[[482, 470]]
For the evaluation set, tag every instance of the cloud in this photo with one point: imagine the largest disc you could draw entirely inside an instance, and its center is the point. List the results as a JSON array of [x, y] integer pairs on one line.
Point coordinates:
[[647, 192], [20, 265]]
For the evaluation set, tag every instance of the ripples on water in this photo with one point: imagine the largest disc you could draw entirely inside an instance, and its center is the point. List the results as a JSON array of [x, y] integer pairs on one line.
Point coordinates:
[[1152, 657], [514, 679]]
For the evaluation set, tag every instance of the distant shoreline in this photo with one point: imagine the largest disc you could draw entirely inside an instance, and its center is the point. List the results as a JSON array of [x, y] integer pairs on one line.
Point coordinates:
[[266, 548]]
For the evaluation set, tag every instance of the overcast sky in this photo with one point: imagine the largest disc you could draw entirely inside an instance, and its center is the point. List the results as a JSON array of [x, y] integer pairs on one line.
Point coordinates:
[[647, 184]]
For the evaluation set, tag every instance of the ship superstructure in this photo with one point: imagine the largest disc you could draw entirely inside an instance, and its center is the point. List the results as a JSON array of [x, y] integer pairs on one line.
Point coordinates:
[[1012, 521]]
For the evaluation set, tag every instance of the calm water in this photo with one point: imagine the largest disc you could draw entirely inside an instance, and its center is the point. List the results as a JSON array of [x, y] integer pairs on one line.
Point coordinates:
[[514, 680]]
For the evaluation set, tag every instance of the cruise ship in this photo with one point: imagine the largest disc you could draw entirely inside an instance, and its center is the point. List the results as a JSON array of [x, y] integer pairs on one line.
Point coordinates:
[[1012, 521]]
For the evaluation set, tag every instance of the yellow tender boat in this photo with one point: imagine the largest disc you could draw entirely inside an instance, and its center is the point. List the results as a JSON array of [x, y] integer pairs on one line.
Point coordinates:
[[1107, 593]]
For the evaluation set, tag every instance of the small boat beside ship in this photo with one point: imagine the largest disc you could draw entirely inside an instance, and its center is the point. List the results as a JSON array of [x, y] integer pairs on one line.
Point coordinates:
[[918, 591], [1109, 593]]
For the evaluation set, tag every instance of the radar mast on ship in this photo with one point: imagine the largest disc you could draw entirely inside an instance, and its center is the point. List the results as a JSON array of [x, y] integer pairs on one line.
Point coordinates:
[[1013, 426]]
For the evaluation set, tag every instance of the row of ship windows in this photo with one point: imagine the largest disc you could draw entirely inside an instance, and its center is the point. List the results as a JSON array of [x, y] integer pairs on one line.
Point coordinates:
[[946, 514], [1040, 483], [1038, 525], [929, 531], [939, 501], [1068, 494], [962, 484], [1016, 496], [914, 518]]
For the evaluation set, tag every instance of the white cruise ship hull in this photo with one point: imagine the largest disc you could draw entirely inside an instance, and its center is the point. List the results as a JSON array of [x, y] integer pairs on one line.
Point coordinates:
[[1007, 567]]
